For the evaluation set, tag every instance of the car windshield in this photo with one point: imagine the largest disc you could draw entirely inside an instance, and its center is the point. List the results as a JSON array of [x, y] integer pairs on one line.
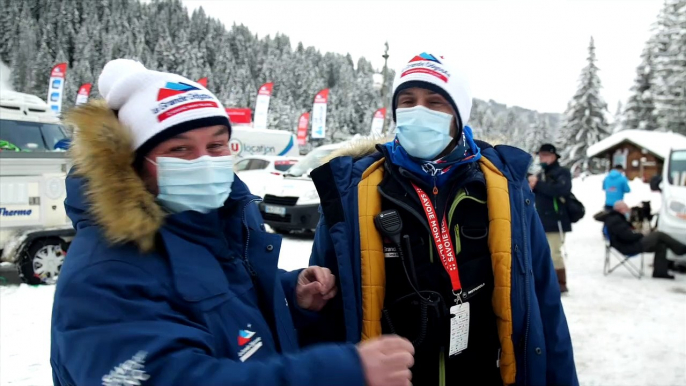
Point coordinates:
[[30, 136], [283, 165], [677, 168], [311, 161]]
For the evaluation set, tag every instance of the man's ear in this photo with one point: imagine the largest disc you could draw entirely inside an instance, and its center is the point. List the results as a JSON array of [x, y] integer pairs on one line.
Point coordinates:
[[454, 130]]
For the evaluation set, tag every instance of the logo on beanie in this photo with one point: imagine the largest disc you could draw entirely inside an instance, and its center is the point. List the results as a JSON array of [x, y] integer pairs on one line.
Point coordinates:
[[171, 89], [426, 64], [176, 98], [424, 56]]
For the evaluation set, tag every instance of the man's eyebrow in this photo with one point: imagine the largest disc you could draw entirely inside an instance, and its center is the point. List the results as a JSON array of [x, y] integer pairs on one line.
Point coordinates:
[[222, 131], [180, 136]]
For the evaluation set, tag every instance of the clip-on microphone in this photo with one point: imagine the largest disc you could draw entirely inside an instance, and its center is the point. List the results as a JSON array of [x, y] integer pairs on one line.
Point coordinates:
[[390, 225]]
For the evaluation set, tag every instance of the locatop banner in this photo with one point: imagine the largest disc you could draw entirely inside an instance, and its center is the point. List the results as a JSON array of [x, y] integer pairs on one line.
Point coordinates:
[[303, 122], [319, 114], [377, 122], [262, 105], [84, 92], [58, 75]]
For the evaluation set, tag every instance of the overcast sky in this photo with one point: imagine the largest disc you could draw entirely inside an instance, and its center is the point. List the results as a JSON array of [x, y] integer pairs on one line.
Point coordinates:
[[517, 52]]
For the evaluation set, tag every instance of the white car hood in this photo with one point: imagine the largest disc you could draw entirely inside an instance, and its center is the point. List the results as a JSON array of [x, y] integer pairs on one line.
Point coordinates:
[[290, 187]]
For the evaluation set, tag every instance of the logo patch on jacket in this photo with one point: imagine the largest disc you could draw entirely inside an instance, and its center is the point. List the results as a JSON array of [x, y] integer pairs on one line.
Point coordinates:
[[249, 346], [390, 252], [130, 372]]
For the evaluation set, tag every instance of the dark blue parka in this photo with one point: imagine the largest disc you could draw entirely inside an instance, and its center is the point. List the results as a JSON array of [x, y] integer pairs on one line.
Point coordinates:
[[183, 299], [553, 182], [540, 336]]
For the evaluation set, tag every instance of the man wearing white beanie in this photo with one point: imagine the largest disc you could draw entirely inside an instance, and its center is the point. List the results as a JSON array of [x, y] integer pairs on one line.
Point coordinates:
[[434, 236], [171, 278]]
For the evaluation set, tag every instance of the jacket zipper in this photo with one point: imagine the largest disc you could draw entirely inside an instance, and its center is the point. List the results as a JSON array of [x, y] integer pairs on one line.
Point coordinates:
[[528, 305], [251, 270]]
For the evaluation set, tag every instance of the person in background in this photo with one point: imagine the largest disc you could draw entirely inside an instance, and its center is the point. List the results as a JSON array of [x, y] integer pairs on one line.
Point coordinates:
[[434, 234], [615, 185], [549, 185], [628, 241], [171, 278]]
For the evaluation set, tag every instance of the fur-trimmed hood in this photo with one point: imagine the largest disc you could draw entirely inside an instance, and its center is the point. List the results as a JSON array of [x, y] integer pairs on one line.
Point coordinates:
[[358, 148], [103, 186]]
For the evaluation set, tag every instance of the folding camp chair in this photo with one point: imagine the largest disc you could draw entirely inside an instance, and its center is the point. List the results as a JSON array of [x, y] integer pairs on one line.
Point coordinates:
[[623, 259]]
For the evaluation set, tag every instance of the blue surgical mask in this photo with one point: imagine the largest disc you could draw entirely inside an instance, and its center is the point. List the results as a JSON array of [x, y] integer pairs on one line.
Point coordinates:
[[422, 132], [200, 185]]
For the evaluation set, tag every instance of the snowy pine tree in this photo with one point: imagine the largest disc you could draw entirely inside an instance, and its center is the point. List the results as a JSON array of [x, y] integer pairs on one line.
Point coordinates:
[[538, 134], [670, 67], [36, 34], [585, 122], [639, 112], [618, 120]]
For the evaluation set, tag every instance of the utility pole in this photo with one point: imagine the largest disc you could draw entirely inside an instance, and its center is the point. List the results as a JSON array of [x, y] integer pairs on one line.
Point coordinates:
[[384, 90]]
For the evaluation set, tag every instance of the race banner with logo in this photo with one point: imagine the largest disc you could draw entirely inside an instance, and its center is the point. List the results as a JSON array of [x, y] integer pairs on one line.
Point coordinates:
[[239, 116], [262, 105], [303, 122], [319, 114], [203, 82], [58, 75], [377, 122], [84, 92]]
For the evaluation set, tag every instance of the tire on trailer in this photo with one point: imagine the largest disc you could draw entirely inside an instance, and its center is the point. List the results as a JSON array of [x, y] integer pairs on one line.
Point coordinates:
[[41, 261]]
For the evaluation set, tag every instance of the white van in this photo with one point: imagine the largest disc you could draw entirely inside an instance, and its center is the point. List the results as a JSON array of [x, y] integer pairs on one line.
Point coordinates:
[[293, 203], [672, 218], [246, 141], [34, 229]]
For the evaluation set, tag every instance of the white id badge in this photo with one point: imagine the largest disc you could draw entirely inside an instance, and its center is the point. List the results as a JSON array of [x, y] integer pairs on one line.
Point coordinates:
[[459, 328]]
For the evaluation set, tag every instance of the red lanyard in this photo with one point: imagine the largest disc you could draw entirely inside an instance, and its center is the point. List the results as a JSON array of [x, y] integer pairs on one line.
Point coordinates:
[[442, 239]]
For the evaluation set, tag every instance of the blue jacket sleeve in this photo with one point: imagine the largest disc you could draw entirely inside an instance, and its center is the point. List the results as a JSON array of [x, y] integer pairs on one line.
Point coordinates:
[[330, 325], [136, 332], [560, 357], [302, 318]]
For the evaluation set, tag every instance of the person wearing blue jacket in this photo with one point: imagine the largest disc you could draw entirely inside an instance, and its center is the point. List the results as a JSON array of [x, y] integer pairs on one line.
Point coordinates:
[[615, 185], [435, 236], [171, 278]]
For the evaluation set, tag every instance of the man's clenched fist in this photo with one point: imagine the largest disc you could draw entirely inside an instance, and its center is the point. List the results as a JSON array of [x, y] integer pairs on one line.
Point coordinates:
[[387, 360]]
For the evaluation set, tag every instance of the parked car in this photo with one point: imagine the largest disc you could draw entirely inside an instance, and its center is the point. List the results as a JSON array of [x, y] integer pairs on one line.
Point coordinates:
[[275, 165], [258, 172], [292, 202]]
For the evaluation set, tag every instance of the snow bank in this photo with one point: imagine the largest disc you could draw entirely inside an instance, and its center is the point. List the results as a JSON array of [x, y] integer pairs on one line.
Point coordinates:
[[25, 335], [624, 331]]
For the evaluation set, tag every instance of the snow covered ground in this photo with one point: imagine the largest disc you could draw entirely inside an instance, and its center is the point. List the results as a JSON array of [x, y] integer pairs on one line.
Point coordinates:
[[625, 331]]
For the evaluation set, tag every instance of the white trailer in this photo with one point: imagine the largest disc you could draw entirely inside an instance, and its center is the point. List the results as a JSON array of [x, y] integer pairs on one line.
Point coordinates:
[[34, 229]]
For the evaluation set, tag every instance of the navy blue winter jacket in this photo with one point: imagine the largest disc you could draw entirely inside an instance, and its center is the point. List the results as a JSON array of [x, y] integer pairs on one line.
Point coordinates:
[[206, 306]]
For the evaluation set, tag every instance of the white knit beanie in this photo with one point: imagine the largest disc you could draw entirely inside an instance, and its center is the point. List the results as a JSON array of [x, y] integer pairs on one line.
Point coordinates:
[[432, 73], [157, 106]]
